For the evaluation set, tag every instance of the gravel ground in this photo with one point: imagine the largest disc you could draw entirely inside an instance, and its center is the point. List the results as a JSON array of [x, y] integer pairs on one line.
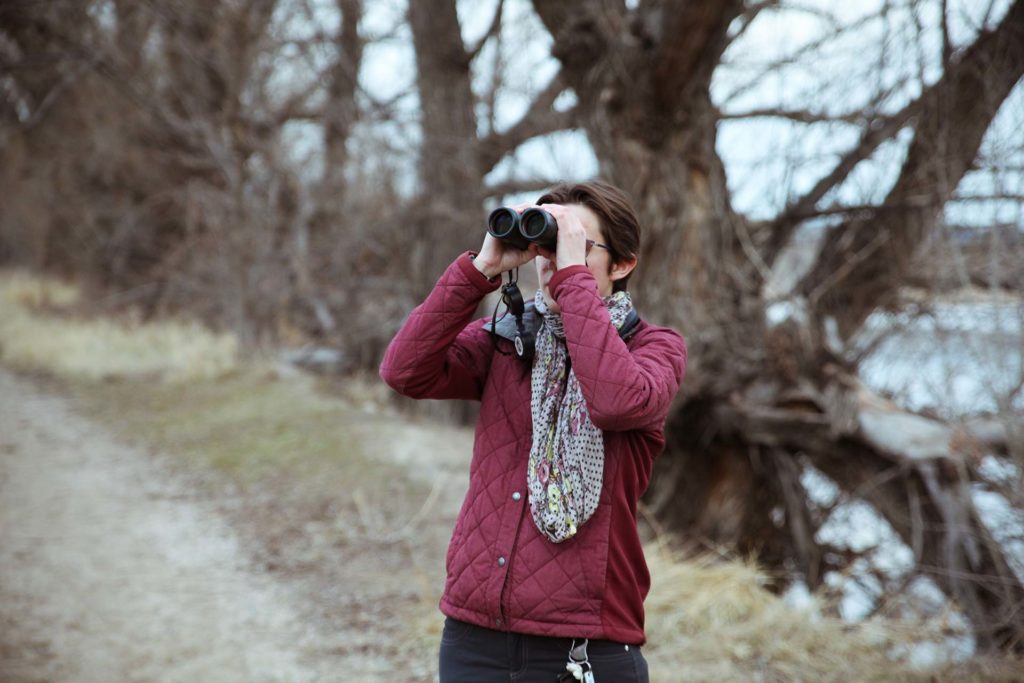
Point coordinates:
[[114, 568]]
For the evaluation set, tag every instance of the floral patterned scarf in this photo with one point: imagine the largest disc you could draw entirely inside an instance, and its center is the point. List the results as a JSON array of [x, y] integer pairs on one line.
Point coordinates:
[[566, 466]]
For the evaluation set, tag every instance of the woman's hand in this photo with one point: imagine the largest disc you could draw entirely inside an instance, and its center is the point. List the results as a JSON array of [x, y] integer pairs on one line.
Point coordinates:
[[572, 238], [497, 257]]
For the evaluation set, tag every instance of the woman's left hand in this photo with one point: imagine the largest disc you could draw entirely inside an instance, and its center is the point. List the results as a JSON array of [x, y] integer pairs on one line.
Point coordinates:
[[572, 237]]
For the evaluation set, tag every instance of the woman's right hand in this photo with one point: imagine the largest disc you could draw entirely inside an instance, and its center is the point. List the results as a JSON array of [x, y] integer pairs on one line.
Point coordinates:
[[497, 257]]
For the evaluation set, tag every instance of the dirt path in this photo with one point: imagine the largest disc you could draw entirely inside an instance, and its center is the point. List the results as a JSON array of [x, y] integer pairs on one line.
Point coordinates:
[[111, 569]]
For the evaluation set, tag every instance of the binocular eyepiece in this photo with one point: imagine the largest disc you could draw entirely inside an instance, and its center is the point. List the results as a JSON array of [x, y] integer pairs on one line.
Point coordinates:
[[535, 226]]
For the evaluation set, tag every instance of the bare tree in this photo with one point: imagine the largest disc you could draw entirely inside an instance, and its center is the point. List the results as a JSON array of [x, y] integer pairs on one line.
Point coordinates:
[[757, 398], [453, 157], [760, 402], [165, 123], [313, 235]]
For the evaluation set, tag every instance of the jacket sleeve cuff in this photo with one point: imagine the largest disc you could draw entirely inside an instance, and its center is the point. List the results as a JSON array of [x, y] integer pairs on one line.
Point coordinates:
[[562, 275], [478, 279]]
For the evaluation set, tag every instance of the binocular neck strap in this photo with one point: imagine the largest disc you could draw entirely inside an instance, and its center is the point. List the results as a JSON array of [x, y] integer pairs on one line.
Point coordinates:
[[513, 300]]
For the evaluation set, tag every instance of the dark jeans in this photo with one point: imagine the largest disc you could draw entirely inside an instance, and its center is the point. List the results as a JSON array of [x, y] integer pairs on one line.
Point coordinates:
[[471, 654]]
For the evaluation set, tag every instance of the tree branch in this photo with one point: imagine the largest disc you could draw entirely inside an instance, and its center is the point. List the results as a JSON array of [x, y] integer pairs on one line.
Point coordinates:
[[583, 31], [514, 186], [798, 115], [794, 57], [684, 64], [540, 118], [951, 119], [492, 31], [915, 472], [875, 133], [748, 16], [557, 14]]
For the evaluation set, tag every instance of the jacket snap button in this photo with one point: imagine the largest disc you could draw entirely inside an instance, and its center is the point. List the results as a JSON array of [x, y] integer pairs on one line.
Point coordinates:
[[497, 622], [516, 495], [501, 561]]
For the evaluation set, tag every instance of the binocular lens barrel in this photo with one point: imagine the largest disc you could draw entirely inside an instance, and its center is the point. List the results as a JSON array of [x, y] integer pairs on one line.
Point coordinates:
[[540, 227], [535, 225], [504, 224]]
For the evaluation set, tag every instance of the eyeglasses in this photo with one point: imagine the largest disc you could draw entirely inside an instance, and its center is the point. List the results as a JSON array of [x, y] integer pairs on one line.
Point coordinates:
[[591, 244]]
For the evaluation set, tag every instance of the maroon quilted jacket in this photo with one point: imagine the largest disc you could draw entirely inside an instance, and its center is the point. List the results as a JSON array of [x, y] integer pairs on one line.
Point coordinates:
[[502, 573]]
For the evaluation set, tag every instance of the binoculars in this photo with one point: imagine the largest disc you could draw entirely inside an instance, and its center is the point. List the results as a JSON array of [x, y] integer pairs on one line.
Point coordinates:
[[535, 226]]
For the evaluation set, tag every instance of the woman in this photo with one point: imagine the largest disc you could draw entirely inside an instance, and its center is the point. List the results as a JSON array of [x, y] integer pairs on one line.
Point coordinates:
[[545, 556]]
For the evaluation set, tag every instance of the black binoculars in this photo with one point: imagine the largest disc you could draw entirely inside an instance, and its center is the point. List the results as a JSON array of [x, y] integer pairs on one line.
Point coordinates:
[[535, 226]]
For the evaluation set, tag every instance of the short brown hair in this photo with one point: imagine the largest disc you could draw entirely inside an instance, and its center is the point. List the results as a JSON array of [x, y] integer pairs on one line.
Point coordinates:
[[619, 223]]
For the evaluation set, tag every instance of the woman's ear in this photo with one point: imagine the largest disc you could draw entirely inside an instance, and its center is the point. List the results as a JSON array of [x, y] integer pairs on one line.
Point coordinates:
[[621, 269]]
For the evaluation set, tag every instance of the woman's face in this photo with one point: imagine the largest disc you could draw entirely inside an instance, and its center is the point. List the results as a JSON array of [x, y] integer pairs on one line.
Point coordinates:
[[599, 260]]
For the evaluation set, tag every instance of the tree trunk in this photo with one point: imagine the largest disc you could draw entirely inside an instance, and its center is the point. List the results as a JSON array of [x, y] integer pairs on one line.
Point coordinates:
[[448, 211], [928, 504], [756, 400], [317, 230]]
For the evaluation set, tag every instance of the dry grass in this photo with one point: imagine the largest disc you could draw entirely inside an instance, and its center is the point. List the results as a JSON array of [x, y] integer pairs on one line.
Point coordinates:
[[711, 620], [248, 424], [36, 333]]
